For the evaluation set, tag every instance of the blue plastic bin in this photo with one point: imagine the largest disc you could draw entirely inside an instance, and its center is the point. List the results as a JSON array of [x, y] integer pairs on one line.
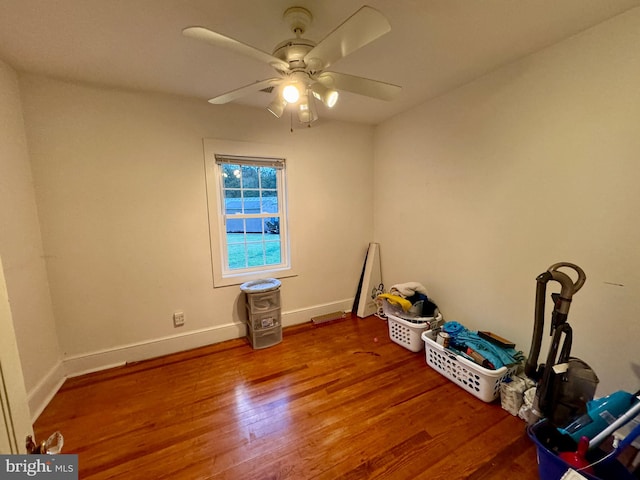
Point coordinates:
[[552, 467]]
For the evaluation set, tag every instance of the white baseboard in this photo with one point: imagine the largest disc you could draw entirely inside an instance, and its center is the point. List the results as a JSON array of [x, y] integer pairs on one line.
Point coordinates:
[[117, 356], [82, 364], [40, 396], [134, 352], [295, 317]]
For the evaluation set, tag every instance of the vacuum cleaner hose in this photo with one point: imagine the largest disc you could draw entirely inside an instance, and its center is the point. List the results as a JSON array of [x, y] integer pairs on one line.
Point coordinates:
[[531, 367]]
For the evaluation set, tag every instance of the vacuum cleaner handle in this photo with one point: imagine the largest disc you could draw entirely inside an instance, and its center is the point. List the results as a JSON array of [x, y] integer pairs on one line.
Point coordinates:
[[565, 352], [560, 311], [569, 287], [531, 367]]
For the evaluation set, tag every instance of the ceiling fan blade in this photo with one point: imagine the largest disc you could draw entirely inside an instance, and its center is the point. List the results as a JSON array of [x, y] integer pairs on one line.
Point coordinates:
[[359, 29], [359, 85], [218, 40], [246, 90]]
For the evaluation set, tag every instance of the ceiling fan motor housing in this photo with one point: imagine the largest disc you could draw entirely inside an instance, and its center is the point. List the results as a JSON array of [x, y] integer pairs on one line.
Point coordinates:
[[295, 49], [298, 18], [293, 52]]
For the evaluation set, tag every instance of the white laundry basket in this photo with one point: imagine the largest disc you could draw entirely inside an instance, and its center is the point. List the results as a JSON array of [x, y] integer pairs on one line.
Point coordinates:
[[407, 333], [475, 379]]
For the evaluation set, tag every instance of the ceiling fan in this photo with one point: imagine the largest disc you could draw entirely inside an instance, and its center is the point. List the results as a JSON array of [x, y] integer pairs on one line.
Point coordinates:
[[301, 63]]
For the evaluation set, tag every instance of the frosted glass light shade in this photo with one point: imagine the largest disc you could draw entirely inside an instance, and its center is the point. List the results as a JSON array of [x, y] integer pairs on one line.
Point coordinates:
[[277, 107], [291, 93], [328, 96]]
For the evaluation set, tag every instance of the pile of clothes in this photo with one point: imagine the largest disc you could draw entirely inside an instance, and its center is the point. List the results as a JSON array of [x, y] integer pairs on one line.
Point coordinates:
[[411, 298], [468, 344]]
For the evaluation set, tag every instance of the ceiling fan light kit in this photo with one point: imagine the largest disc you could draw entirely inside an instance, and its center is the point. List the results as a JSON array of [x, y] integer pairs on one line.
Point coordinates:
[[277, 106], [328, 96], [291, 93], [300, 63], [307, 112]]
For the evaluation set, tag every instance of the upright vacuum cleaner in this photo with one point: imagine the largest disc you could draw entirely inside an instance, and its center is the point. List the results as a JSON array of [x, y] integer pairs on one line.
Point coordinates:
[[565, 384]]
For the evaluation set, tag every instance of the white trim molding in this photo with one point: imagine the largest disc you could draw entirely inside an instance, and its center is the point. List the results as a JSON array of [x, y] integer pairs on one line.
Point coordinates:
[[44, 391], [113, 357], [76, 365]]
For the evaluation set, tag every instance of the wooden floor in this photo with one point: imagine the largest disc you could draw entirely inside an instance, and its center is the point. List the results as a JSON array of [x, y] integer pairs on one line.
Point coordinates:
[[334, 401]]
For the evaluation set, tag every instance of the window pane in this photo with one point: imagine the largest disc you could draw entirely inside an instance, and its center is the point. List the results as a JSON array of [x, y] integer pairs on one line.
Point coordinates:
[[268, 178], [250, 176], [272, 225], [231, 176], [255, 254], [255, 237], [251, 201], [269, 201], [235, 225], [232, 193], [235, 238], [237, 256], [273, 251], [232, 201], [254, 225]]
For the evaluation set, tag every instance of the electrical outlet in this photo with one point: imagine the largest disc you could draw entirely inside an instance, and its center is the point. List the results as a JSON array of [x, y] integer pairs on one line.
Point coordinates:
[[178, 319]]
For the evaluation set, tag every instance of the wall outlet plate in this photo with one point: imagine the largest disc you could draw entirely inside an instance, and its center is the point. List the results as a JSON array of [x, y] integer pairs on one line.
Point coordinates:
[[178, 319]]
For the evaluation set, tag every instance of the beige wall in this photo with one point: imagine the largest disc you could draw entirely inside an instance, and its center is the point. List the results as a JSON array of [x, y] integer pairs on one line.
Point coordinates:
[[475, 194], [121, 191], [480, 190], [21, 251]]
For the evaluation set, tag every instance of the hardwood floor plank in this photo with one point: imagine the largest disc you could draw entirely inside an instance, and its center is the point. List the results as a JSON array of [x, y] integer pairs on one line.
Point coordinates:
[[500, 465], [393, 457], [339, 400], [466, 452]]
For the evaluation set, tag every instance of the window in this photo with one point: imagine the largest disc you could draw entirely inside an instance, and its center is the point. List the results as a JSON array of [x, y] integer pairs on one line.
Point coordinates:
[[247, 212], [251, 214]]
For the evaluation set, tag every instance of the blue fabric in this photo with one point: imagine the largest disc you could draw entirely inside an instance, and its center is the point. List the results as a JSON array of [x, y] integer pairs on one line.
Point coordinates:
[[453, 328], [495, 354]]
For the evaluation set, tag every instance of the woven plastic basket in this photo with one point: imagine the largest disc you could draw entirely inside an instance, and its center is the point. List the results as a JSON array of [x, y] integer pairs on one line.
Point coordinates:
[[475, 379], [407, 333]]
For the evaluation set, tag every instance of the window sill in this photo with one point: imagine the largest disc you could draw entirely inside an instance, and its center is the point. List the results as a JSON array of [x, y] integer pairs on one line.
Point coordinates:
[[231, 280]]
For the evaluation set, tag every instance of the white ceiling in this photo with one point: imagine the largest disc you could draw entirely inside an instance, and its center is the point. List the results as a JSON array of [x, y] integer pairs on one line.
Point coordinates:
[[434, 45]]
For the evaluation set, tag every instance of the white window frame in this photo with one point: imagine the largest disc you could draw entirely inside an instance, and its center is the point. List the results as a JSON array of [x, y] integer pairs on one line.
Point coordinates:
[[222, 275]]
